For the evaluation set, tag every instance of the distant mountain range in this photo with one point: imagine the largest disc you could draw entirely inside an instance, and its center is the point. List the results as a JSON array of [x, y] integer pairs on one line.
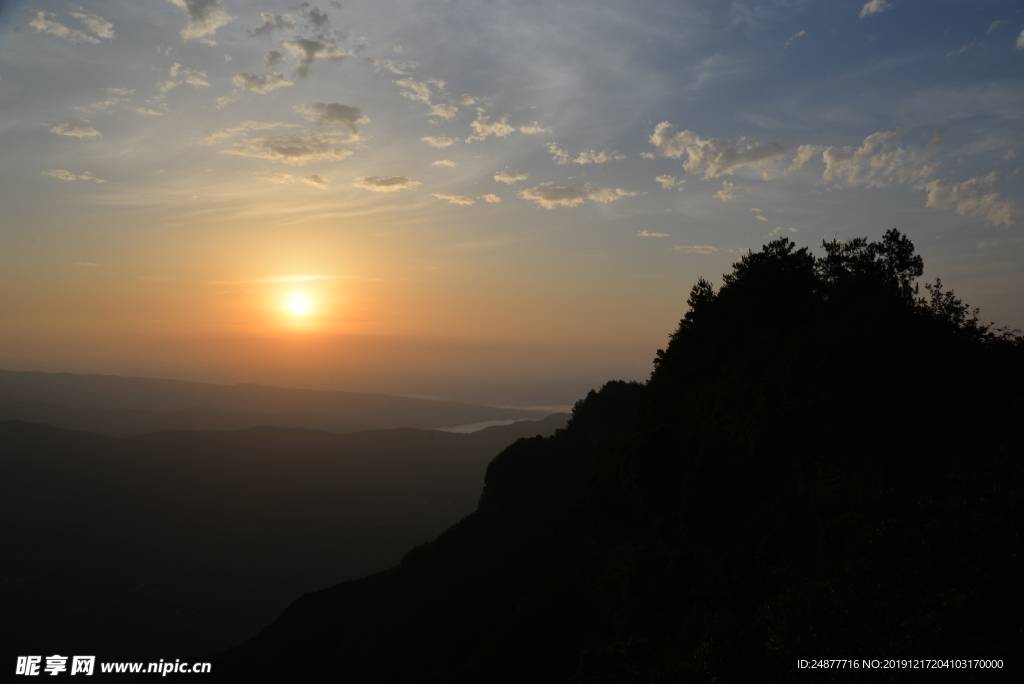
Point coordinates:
[[178, 543], [125, 406]]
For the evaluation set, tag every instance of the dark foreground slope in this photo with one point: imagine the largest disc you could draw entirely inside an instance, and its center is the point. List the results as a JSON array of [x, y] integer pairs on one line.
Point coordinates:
[[171, 544], [822, 465]]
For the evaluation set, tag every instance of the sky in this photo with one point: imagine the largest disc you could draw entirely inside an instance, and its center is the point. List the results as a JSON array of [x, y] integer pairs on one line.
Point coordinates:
[[504, 202]]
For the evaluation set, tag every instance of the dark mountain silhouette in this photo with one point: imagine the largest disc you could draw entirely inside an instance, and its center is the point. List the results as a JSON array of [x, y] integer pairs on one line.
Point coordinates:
[[185, 542], [124, 406], [823, 464]]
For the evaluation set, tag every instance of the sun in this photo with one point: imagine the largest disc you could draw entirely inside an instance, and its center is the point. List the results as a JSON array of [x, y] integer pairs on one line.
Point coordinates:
[[298, 305]]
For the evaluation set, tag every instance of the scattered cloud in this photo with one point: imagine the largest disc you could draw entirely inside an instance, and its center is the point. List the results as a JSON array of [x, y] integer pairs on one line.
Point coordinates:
[[973, 196], [306, 51], [668, 182], [798, 34], [874, 7], [438, 141], [558, 154], [509, 176], [727, 192], [243, 127], [68, 176], [334, 114], [445, 111], [551, 196], [647, 233], [283, 178], [779, 229], [1010, 154], [1020, 41], [389, 184], [761, 218], [602, 157], [182, 74], [716, 156], [877, 162], [272, 59], [95, 23], [444, 162], [77, 130], [492, 198], [204, 17], [695, 249], [271, 23], [455, 199], [292, 149], [534, 129], [44, 22], [485, 126], [260, 83]]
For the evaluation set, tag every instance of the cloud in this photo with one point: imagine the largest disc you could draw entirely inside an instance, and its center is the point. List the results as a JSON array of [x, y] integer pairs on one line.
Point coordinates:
[[271, 23], [798, 34], [260, 83], [389, 184], [68, 176], [334, 114], [994, 26], [779, 229], [283, 178], [445, 111], [307, 51], [602, 157], [1010, 154], [485, 126], [558, 154], [1020, 41], [77, 130], [873, 7], [668, 182], [973, 196], [606, 195], [243, 127], [877, 162], [272, 59], [492, 198], [443, 162], [315, 181], [551, 196], [95, 23], [647, 233], [292, 149], [455, 199], [43, 23], [727, 192], [716, 156], [534, 129], [438, 141], [204, 17], [508, 176], [147, 111], [184, 74], [761, 218], [695, 249], [416, 90]]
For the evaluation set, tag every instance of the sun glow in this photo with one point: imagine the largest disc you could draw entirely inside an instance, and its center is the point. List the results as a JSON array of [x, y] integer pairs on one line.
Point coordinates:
[[299, 305]]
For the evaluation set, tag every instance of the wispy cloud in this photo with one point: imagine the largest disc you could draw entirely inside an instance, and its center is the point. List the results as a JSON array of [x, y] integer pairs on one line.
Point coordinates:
[[439, 141], [510, 177], [714, 157], [292, 149], [76, 130], [455, 199], [64, 175], [44, 22], [260, 84], [389, 184], [647, 233], [295, 278], [486, 126], [874, 7], [306, 51], [552, 196], [491, 198], [695, 249], [443, 162], [798, 34], [203, 18]]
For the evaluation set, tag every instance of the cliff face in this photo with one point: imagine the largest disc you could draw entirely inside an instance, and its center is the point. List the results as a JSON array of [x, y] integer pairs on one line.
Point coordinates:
[[823, 464]]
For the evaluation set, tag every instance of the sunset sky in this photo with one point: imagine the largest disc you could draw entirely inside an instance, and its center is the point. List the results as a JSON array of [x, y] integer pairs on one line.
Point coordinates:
[[504, 202]]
